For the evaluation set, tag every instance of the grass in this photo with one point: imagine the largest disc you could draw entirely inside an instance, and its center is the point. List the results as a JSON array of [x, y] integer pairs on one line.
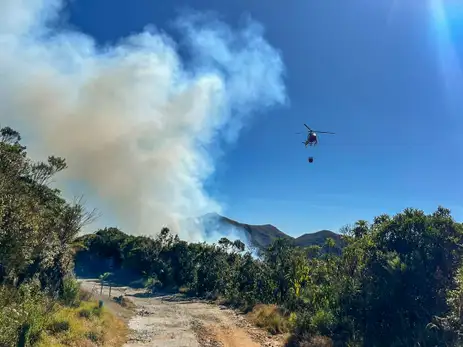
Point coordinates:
[[86, 325], [26, 313], [270, 318]]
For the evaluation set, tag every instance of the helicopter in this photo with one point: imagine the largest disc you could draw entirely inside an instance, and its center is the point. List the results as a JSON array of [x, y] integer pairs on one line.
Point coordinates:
[[312, 139]]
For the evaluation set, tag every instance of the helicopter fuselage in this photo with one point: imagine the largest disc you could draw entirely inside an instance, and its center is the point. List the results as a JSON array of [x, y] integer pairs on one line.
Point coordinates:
[[311, 139]]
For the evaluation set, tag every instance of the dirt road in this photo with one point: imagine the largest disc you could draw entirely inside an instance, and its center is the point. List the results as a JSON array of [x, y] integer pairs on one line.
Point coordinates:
[[177, 321]]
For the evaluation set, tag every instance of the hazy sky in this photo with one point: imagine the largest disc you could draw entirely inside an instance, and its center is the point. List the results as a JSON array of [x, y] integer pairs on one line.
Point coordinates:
[[384, 75]]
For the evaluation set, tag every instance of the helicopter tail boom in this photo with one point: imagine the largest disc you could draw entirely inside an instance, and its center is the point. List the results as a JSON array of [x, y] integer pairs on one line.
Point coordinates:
[[323, 132]]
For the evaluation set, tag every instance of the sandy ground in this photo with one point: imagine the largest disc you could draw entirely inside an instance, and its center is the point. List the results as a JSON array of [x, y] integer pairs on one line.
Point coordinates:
[[177, 321]]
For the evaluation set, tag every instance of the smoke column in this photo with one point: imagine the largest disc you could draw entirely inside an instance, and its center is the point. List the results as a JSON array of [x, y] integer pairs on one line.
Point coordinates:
[[134, 122]]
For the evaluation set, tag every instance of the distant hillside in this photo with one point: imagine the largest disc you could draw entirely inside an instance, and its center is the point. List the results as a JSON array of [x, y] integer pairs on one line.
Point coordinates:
[[317, 238], [261, 236]]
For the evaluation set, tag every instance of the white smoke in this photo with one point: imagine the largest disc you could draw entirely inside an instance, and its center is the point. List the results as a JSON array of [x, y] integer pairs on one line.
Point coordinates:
[[134, 122]]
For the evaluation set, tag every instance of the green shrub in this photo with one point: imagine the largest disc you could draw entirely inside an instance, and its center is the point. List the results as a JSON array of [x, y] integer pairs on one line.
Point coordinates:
[[25, 311], [59, 327], [90, 310], [70, 294]]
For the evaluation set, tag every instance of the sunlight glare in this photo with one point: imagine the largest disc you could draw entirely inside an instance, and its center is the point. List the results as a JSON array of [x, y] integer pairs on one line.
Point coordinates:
[[449, 62]]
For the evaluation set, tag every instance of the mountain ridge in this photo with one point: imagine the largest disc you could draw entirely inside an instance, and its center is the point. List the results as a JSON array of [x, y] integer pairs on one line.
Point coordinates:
[[262, 235]]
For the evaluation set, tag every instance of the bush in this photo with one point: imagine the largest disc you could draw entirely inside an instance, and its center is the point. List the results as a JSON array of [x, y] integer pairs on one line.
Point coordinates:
[[24, 313], [318, 323], [59, 326], [152, 284], [124, 302], [271, 318], [70, 294], [85, 295], [89, 310]]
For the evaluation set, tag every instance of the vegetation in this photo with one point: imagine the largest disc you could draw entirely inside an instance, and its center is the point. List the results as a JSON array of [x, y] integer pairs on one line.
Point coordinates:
[[397, 282], [41, 303], [272, 318]]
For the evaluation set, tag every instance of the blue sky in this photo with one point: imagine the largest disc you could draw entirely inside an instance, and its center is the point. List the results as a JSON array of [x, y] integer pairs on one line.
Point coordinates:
[[384, 75]]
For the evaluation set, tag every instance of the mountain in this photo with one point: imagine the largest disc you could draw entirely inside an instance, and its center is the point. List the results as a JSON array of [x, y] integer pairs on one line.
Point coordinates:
[[318, 238], [261, 236]]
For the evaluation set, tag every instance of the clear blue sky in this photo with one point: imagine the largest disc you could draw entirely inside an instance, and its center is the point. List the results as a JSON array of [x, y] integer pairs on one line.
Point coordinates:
[[384, 75]]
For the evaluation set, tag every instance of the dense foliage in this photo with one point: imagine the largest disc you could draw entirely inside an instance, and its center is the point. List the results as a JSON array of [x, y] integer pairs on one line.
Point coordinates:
[[398, 281], [37, 228]]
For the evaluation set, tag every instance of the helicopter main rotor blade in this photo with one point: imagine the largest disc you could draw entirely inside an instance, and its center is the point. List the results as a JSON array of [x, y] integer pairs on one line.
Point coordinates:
[[307, 127]]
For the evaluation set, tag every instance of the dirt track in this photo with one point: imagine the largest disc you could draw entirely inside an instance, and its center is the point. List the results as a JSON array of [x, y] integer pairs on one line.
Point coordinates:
[[177, 321]]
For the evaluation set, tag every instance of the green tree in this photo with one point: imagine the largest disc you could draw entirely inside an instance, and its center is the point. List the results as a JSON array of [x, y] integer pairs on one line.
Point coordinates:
[[37, 226]]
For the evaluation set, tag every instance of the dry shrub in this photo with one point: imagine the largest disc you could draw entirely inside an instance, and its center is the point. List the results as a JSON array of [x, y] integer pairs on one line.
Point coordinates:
[[184, 290], [271, 318], [125, 302], [85, 295]]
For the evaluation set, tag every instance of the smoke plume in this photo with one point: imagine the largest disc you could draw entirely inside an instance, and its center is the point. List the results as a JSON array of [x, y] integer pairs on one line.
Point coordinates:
[[134, 121]]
